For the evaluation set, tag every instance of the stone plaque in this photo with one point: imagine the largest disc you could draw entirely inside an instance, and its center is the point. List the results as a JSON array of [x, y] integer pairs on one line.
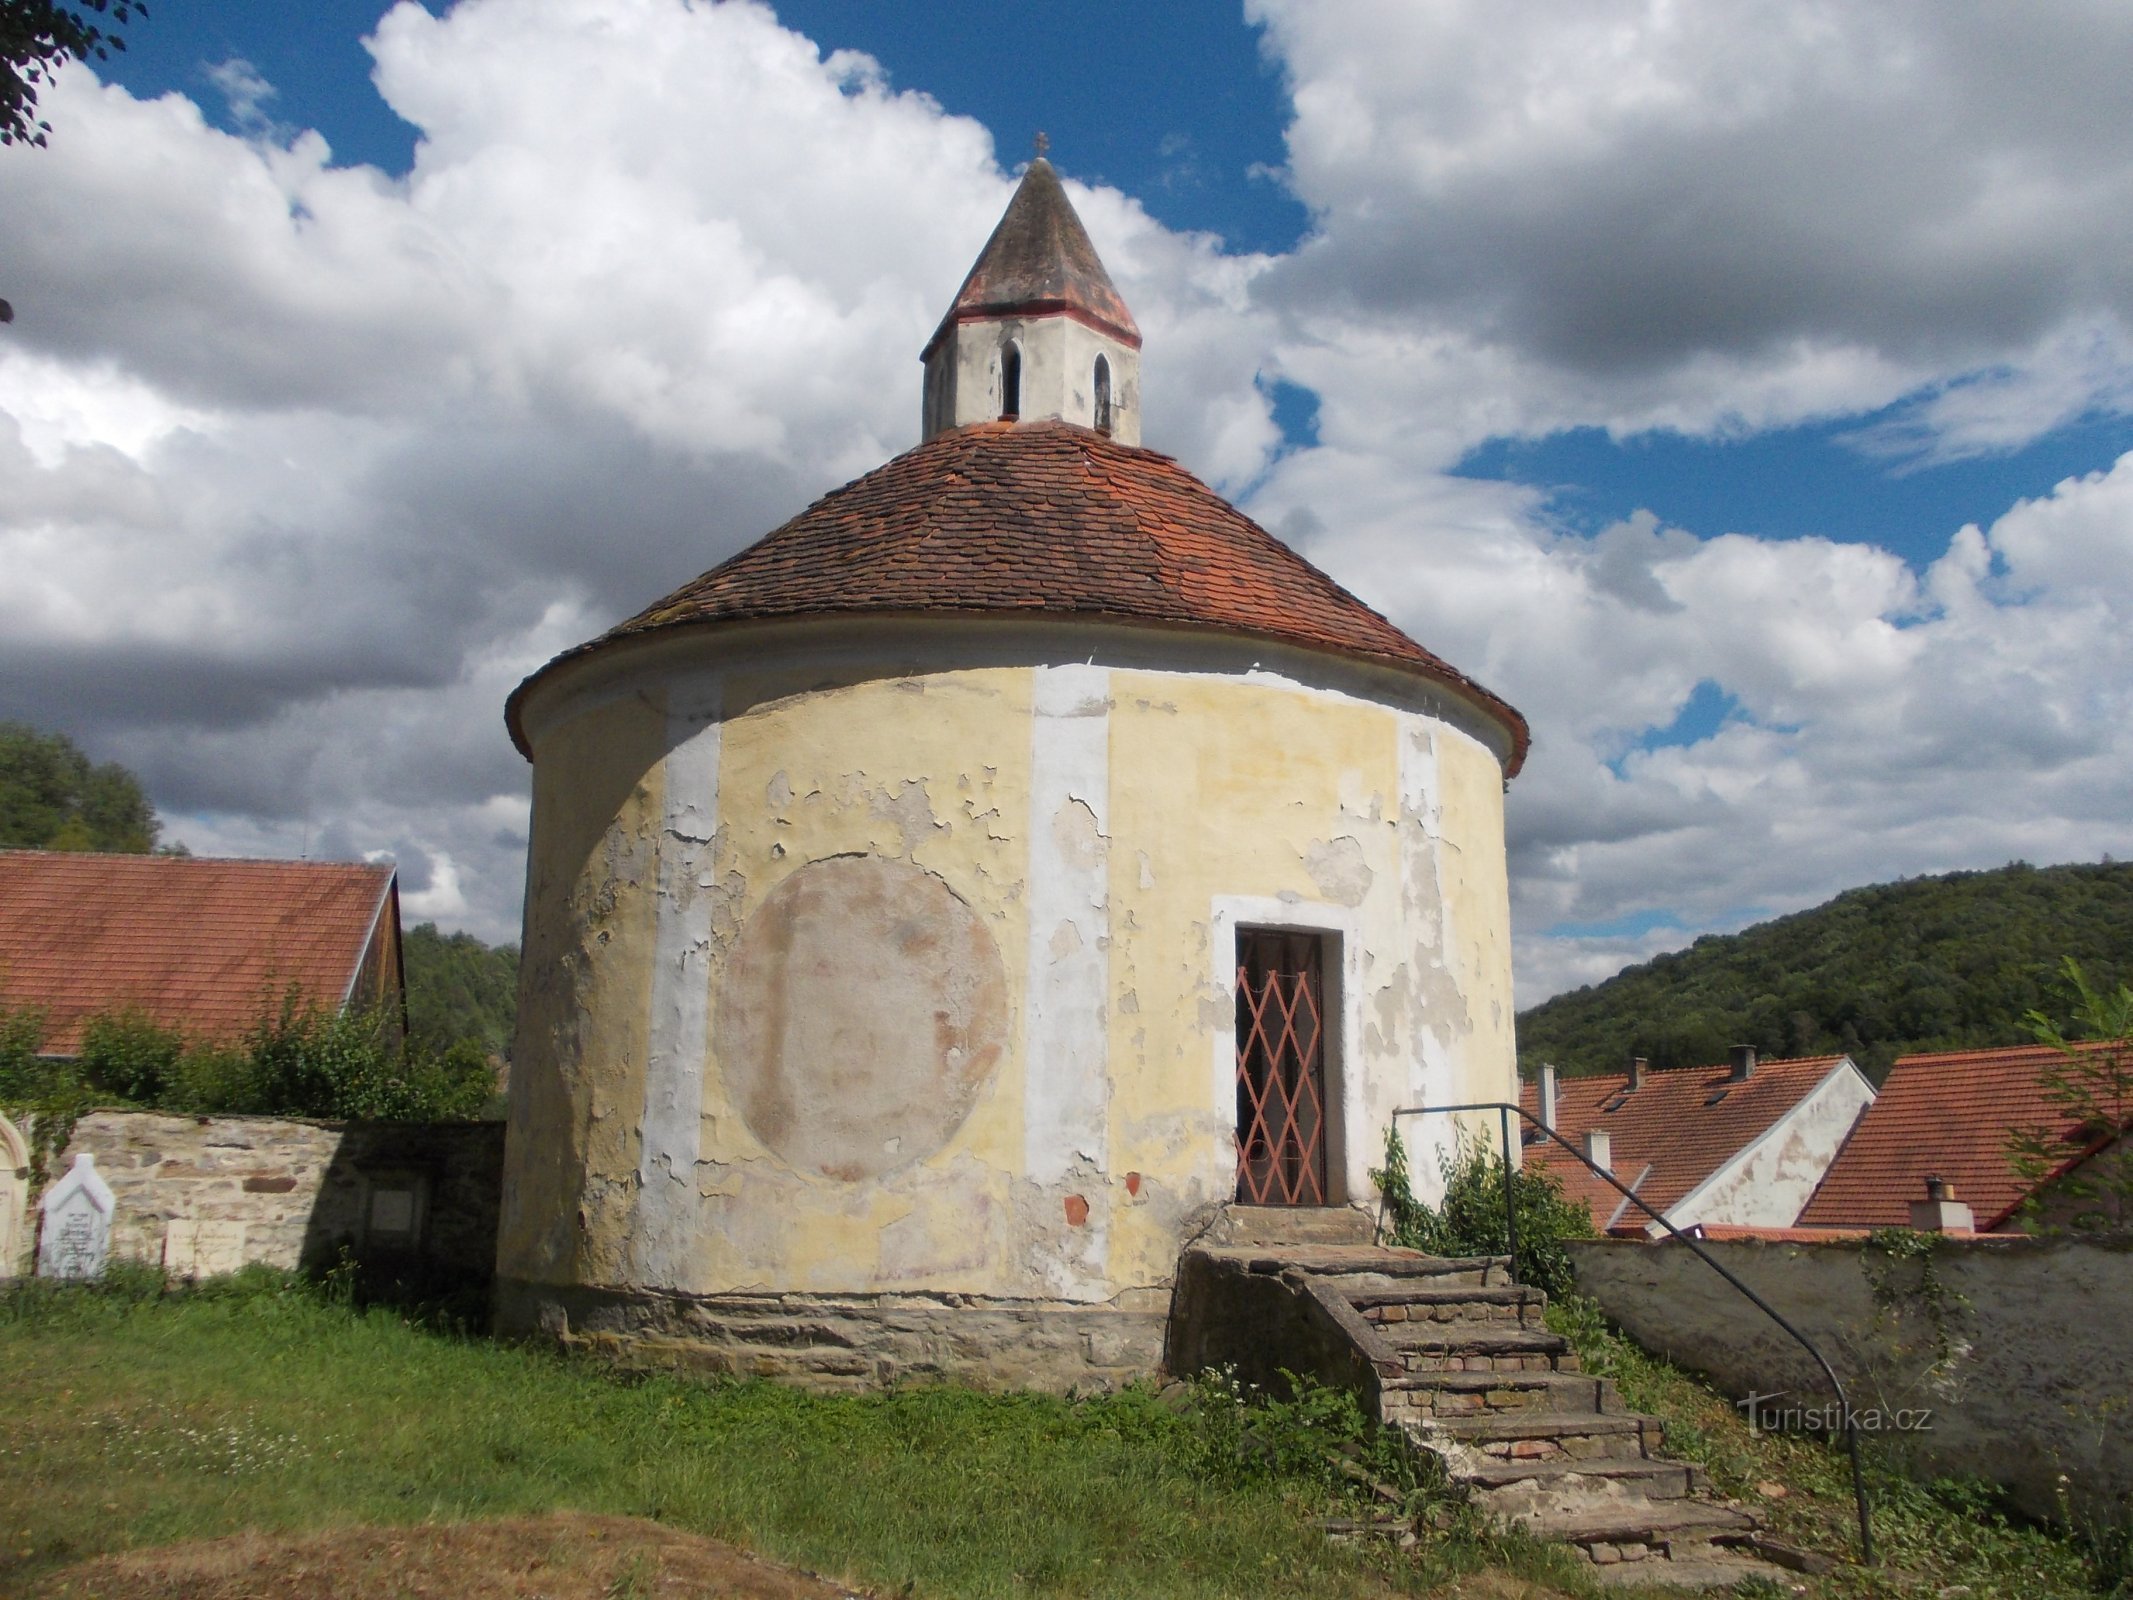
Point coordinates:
[[76, 1238], [202, 1249], [392, 1211]]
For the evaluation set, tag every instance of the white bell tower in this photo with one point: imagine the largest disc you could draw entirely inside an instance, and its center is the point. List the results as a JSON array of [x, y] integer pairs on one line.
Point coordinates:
[[1037, 331]]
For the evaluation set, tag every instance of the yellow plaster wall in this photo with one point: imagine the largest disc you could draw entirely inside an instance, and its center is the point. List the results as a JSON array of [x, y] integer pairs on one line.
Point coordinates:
[[577, 1081], [1219, 787], [931, 770], [1475, 873]]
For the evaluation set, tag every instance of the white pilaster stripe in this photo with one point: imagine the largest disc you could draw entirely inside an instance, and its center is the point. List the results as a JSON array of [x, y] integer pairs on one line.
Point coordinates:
[[678, 1035], [1066, 1028]]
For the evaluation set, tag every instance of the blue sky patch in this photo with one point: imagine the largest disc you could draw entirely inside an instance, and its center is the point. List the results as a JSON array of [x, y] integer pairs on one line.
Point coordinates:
[[1793, 482]]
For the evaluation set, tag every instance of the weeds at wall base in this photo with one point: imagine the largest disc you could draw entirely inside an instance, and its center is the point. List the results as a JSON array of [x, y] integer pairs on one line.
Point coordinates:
[[1933, 1534]]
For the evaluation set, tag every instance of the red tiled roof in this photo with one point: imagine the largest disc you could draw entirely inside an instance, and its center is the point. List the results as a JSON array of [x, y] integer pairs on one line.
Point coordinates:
[[1944, 1116], [1039, 261], [1042, 518], [1669, 1124], [199, 944]]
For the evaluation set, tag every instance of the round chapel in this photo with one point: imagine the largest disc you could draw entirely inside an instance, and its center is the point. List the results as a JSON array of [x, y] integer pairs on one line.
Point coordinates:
[[1014, 868]]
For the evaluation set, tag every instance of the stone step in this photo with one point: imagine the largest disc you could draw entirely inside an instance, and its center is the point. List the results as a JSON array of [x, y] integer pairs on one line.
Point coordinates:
[[1454, 1276], [1418, 1396], [1293, 1225], [1541, 1437], [1601, 1481], [1660, 1523], [1449, 1347], [1435, 1301]]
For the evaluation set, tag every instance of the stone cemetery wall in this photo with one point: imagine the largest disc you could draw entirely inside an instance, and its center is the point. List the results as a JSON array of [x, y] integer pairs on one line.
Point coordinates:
[[2008, 1359], [205, 1195]]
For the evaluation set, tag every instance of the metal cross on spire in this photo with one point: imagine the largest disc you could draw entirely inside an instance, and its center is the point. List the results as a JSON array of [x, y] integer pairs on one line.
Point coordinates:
[[1044, 143]]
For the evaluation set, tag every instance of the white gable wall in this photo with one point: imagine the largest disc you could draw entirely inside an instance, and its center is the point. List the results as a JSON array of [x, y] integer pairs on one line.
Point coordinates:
[[1767, 1185]]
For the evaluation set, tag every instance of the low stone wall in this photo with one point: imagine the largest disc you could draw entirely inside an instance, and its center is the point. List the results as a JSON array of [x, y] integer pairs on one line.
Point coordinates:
[[2019, 1350], [856, 1341], [204, 1195], [1237, 1312]]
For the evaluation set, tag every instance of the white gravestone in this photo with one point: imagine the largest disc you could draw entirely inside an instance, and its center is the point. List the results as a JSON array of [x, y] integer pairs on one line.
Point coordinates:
[[77, 1223]]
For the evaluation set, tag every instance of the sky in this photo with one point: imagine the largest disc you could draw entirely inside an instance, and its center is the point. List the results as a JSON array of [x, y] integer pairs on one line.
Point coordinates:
[[1744, 392]]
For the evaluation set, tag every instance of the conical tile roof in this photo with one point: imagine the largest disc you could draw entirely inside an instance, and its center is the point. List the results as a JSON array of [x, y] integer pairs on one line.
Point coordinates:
[[1047, 519], [1039, 262]]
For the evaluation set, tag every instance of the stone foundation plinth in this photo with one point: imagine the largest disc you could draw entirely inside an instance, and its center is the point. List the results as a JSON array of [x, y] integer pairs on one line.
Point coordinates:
[[854, 1341]]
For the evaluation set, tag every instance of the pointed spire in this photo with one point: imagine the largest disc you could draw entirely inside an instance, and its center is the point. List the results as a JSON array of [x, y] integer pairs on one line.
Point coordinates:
[[1039, 262], [1037, 331]]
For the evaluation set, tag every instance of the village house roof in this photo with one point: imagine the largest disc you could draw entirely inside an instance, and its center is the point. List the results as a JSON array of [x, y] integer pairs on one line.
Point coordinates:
[[198, 944], [1671, 1132], [1040, 260], [1043, 518], [1949, 1116]]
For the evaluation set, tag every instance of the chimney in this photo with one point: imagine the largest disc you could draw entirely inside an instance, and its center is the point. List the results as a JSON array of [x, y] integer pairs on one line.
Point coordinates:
[[1637, 1064], [1547, 1097], [1599, 1149], [1743, 1062], [1940, 1211]]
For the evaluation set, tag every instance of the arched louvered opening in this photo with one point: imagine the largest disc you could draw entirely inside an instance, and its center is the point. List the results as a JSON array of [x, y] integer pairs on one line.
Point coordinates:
[[1103, 395], [1010, 384]]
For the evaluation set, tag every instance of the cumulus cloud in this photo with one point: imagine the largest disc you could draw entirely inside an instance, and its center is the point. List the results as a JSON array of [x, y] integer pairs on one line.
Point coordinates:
[[303, 466], [1889, 723], [1710, 214]]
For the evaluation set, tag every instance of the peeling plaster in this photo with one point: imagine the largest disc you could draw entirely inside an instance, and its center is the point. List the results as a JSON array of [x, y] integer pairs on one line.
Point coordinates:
[[910, 808], [1338, 868]]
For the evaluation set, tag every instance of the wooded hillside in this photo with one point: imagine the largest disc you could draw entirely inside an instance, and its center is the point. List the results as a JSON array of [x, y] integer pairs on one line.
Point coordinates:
[[459, 988], [1943, 963]]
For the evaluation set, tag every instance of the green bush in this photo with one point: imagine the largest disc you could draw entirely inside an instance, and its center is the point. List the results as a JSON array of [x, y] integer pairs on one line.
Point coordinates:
[[22, 1071], [129, 1054], [212, 1079], [298, 1060], [1470, 1220], [312, 1063]]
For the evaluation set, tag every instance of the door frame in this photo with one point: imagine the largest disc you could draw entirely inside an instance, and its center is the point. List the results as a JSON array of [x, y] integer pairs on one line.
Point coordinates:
[[1337, 927]]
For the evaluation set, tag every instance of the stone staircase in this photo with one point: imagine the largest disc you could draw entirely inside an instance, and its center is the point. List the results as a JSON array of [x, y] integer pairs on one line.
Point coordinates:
[[1457, 1356]]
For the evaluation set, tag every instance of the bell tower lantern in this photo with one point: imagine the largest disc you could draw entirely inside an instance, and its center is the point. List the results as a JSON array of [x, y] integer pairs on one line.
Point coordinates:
[[1037, 332]]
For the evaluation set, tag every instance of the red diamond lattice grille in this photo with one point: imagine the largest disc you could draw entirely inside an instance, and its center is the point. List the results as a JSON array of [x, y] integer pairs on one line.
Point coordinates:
[[1281, 1128]]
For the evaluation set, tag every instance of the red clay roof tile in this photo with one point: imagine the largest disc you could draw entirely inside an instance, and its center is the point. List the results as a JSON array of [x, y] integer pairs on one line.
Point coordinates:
[[199, 944], [1668, 1123], [1946, 1116], [1042, 517]]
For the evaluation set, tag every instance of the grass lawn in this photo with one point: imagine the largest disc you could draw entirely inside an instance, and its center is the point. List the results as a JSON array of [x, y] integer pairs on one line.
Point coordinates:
[[141, 1418]]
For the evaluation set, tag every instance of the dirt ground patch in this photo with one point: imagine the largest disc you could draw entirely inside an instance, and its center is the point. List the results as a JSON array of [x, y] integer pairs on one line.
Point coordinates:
[[564, 1557]]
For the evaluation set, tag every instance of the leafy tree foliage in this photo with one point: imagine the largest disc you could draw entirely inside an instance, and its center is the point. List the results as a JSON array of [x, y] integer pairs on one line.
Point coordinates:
[[459, 989], [36, 36], [2092, 1081], [52, 798], [1947, 963]]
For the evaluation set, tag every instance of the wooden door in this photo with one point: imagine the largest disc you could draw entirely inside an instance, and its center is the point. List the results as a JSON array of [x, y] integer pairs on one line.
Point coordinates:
[[1281, 1068]]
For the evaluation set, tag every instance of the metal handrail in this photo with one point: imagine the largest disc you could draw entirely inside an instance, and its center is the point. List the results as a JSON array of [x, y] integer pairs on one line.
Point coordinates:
[[1505, 1111]]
